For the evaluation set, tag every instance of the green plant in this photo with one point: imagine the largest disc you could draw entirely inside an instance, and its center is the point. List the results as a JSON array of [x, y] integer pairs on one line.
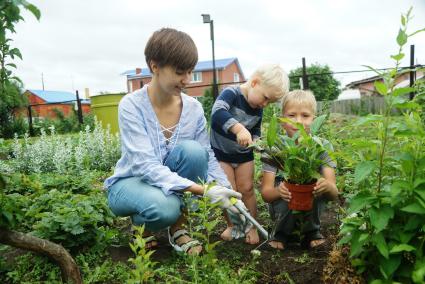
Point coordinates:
[[299, 157], [384, 226], [144, 267], [10, 93], [70, 219]]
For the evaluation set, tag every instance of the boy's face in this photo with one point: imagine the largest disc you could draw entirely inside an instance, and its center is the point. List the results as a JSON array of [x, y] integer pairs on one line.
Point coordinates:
[[260, 96], [297, 112], [170, 80]]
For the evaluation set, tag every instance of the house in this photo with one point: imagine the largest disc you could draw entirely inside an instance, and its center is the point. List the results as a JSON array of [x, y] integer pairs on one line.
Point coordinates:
[[228, 71], [44, 102], [367, 87]]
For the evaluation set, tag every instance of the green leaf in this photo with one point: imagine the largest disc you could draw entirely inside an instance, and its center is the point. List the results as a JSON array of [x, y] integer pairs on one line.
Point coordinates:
[[15, 51], [381, 88], [272, 131], [403, 20], [381, 244], [389, 266], [401, 38], [363, 170], [317, 124], [34, 10], [368, 119], [379, 217], [398, 57], [415, 208], [403, 91], [402, 247], [359, 201]]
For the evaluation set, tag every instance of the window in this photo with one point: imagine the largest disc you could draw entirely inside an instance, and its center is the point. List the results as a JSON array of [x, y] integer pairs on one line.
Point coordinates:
[[235, 77], [130, 86], [196, 77]]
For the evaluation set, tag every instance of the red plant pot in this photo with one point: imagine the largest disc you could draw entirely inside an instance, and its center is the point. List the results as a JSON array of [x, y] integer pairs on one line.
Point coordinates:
[[301, 196]]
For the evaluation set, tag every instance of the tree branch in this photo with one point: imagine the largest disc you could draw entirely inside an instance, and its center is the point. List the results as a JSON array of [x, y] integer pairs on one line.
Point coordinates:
[[58, 253]]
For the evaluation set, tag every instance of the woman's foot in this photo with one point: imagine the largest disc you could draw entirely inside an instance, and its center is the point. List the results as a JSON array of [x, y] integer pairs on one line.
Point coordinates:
[[252, 237], [151, 242], [277, 245], [182, 242], [227, 234]]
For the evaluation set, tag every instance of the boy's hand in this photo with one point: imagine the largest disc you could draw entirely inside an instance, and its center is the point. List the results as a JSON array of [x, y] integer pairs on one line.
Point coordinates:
[[284, 192], [243, 137], [323, 186]]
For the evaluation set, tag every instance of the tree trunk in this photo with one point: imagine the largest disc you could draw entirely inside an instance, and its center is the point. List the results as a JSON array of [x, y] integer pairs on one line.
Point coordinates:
[[69, 268]]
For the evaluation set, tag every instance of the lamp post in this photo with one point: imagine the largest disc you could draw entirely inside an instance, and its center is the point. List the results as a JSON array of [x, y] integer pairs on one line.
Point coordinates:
[[207, 20]]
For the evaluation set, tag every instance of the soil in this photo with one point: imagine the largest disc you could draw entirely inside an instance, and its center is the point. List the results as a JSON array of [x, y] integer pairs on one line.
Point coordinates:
[[292, 265]]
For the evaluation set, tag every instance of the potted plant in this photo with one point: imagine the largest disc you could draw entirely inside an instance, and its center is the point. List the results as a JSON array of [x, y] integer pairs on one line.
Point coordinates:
[[298, 158]]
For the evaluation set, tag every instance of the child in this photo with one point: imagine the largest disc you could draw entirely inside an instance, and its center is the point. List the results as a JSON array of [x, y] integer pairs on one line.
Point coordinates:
[[165, 148], [235, 123], [300, 106]]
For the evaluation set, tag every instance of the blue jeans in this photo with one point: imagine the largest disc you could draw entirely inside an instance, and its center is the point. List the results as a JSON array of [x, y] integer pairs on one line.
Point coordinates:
[[147, 204]]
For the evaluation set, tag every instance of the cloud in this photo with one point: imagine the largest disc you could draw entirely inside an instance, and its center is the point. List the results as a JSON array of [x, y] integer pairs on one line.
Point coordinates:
[[80, 44]]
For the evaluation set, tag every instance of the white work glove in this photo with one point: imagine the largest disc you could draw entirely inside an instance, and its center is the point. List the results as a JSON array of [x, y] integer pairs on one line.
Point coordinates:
[[222, 194]]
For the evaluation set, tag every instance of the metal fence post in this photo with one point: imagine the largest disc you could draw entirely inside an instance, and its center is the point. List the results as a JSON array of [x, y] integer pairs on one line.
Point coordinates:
[[31, 129], [305, 77], [79, 110]]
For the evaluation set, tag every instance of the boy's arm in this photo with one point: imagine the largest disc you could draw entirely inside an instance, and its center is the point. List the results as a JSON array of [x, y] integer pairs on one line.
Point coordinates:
[[268, 191], [327, 184]]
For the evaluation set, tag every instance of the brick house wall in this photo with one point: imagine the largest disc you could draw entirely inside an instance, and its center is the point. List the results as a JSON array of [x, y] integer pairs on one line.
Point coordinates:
[[47, 111], [194, 89]]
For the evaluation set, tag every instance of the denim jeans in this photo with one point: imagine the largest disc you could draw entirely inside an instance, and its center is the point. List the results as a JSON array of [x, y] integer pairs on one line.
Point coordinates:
[[147, 204], [287, 222]]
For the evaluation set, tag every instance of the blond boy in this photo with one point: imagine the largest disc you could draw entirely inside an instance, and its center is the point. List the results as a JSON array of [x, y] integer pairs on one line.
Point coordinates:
[[235, 124], [300, 106]]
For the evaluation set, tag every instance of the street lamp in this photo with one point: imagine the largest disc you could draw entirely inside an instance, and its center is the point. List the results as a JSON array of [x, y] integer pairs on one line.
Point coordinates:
[[207, 20]]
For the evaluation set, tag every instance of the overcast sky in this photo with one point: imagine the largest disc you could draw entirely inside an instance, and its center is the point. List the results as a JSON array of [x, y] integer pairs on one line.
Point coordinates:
[[81, 44]]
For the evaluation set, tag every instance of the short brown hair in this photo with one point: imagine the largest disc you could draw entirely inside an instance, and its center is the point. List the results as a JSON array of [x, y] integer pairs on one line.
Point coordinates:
[[170, 47]]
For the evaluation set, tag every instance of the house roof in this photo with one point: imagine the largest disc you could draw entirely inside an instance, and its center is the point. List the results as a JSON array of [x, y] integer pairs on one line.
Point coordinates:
[[349, 94], [370, 79], [56, 96], [220, 64]]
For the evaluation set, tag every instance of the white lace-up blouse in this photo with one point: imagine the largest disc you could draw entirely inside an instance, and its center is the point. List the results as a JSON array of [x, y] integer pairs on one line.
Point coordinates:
[[144, 148]]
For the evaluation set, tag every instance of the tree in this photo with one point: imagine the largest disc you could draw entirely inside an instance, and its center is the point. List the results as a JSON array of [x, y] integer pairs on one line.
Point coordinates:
[[207, 101], [320, 79], [10, 93], [10, 14]]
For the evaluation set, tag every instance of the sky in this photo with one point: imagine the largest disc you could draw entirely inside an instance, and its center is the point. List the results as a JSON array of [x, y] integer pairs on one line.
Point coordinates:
[[80, 44]]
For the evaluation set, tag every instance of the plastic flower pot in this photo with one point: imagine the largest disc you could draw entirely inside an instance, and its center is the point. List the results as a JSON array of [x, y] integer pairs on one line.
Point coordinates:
[[301, 196]]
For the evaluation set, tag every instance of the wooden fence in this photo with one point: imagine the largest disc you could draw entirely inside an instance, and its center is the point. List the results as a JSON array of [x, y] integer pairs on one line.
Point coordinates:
[[361, 106]]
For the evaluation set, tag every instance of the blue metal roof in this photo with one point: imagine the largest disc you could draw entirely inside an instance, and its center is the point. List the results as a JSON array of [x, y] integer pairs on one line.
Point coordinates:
[[200, 66], [56, 96]]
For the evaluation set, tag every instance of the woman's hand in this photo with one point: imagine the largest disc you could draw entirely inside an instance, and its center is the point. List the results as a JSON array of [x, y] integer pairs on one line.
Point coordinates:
[[284, 192]]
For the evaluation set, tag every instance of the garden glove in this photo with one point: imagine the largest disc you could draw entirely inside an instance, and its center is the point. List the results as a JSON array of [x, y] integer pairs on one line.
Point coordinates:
[[222, 194]]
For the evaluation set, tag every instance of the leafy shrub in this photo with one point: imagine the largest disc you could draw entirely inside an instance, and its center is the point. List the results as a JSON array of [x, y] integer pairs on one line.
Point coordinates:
[[385, 227], [70, 219], [95, 149]]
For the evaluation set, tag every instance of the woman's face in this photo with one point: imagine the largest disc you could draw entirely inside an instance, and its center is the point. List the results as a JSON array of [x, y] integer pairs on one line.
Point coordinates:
[[170, 80]]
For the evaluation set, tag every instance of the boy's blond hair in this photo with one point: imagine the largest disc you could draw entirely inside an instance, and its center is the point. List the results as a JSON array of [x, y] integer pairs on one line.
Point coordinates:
[[272, 76], [300, 97]]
